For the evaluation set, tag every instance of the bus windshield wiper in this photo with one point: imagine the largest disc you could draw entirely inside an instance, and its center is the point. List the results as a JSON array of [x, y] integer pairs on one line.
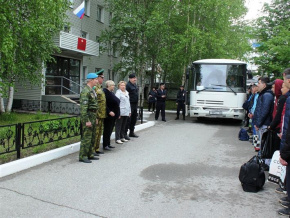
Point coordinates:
[[206, 88], [200, 90], [226, 86]]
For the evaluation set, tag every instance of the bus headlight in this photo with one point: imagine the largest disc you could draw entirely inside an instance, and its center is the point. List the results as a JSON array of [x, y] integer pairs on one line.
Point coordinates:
[[238, 110], [194, 108]]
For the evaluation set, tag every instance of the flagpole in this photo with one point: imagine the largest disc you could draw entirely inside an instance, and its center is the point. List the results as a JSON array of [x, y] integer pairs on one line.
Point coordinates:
[[82, 22], [81, 26]]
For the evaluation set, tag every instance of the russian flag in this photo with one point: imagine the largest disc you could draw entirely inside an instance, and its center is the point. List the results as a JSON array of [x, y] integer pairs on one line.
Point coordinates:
[[80, 10]]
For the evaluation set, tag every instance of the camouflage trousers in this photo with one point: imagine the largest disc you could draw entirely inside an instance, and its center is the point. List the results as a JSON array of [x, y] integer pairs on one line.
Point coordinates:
[[88, 140], [99, 133]]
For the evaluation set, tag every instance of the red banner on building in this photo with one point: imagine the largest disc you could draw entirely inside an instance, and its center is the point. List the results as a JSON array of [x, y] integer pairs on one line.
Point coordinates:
[[82, 43]]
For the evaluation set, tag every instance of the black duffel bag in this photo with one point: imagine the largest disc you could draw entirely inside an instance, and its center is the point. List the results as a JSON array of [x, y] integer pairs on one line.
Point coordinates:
[[252, 175], [269, 144]]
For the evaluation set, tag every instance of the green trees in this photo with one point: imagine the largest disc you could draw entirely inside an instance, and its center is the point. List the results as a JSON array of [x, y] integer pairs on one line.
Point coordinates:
[[273, 35], [172, 34], [26, 40]]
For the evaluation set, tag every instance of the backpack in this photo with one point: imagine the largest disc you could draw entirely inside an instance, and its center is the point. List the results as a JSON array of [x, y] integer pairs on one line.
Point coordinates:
[[252, 175], [243, 135], [247, 103]]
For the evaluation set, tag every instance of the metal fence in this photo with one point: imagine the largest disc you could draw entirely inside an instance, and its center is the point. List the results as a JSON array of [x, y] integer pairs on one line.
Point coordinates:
[[48, 106], [57, 107], [14, 138]]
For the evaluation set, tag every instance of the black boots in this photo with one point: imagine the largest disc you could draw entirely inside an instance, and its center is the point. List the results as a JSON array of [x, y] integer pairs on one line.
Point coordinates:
[[177, 118]]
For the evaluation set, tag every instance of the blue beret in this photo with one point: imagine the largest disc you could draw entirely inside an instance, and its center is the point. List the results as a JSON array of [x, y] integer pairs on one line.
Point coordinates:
[[92, 76]]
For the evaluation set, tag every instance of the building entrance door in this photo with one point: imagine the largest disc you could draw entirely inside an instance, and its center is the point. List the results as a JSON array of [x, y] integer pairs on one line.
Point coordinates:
[[62, 76]]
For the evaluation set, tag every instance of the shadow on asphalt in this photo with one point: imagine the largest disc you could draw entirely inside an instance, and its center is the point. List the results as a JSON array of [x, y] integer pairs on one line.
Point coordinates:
[[219, 121]]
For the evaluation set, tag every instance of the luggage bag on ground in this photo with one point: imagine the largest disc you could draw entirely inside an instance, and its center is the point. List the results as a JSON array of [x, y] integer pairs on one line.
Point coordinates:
[[252, 175]]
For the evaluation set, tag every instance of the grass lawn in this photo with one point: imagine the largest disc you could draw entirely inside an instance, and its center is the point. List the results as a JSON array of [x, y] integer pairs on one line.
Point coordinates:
[[13, 118], [5, 158], [31, 149], [169, 105]]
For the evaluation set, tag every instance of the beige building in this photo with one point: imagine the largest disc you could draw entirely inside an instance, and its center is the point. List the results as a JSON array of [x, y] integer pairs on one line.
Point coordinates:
[[80, 55]]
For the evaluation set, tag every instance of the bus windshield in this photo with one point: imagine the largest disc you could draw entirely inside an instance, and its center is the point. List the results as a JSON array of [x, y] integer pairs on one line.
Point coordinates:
[[219, 77]]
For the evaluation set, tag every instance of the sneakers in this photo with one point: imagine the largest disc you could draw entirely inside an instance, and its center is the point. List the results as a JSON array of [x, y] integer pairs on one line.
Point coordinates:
[[285, 212], [285, 204], [280, 191], [124, 140], [119, 142], [257, 148], [284, 200]]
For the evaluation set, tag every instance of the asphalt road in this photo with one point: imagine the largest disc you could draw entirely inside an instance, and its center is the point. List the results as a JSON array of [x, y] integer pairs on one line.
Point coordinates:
[[174, 169]]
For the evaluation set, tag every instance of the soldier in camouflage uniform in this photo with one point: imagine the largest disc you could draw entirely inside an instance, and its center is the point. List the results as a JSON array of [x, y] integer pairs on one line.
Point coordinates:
[[89, 107], [101, 113]]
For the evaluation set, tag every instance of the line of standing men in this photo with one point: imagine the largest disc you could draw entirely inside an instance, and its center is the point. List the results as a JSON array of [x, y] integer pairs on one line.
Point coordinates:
[[93, 112], [160, 95]]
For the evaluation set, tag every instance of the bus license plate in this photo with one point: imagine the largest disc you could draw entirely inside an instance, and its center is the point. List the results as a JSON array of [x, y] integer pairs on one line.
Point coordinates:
[[215, 112]]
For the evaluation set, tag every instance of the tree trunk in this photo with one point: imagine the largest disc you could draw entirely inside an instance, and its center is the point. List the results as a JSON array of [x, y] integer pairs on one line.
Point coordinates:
[[152, 74], [10, 99], [2, 108]]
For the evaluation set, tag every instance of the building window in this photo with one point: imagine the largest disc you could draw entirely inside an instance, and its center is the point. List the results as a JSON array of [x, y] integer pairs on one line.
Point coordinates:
[[87, 7], [109, 48], [110, 18], [84, 34], [109, 74], [66, 29], [114, 49], [85, 73], [100, 13], [71, 5], [97, 39], [97, 69]]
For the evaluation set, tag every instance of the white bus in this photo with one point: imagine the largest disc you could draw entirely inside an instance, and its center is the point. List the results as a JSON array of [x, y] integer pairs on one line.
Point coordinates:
[[217, 88]]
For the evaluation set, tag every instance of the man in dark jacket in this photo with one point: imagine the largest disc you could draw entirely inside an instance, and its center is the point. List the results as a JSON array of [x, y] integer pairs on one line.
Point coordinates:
[[286, 120], [180, 102], [152, 99], [285, 148], [133, 90], [161, 97], [264, 109]]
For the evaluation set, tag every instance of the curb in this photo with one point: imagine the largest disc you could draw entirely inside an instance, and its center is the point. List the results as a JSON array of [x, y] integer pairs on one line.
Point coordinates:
[[32, 161]]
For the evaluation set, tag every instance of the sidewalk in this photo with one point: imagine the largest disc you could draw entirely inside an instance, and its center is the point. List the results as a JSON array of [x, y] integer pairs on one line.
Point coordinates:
[[178, 168], [35, 160]]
